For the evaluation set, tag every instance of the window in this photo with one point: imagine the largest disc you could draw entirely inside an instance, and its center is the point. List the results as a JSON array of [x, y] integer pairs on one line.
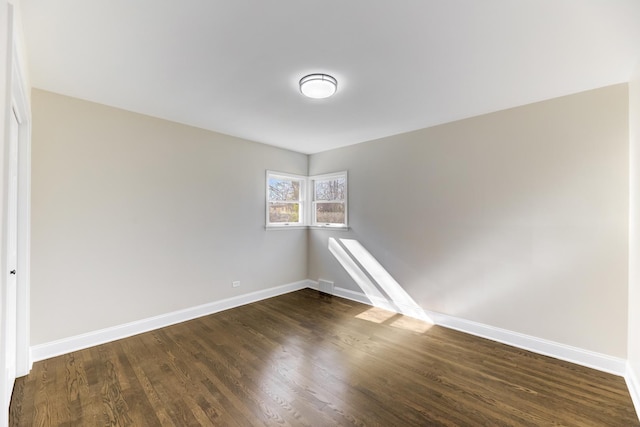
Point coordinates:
[[285, 199], [288, 206], [329, 200]]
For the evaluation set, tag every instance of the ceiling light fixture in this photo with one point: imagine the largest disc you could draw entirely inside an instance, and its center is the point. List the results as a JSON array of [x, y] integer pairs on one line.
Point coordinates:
[[318, 86]]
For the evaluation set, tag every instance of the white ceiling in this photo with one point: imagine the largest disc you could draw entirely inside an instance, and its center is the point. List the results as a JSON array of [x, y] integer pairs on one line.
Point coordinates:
[[233, 66]]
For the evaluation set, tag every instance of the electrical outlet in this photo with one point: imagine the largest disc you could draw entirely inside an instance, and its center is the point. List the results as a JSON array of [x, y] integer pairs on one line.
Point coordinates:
[[235, 284]]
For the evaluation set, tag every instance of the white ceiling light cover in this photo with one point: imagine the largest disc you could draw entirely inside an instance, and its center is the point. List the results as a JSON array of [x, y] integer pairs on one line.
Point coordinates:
[[318, 86]]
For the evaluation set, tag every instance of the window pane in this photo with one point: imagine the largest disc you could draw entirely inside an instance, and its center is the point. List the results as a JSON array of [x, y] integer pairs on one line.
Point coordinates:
[[330, 189], [330, 213], [284, 189], [284, 212]]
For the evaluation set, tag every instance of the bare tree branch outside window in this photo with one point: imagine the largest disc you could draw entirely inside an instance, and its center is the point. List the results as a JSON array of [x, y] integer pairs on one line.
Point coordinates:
[[329, 196], [284, 200]]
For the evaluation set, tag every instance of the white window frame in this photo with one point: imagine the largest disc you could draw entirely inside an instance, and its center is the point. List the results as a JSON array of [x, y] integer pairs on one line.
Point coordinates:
[[302, 213], [314, 203], [307, 204]]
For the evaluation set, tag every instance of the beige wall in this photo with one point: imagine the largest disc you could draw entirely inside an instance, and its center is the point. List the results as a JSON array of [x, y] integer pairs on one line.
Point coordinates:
[[634, 231], [135, 217], [516, 219]]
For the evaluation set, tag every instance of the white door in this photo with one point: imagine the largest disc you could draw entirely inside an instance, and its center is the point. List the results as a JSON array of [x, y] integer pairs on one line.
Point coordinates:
[[10, 304]]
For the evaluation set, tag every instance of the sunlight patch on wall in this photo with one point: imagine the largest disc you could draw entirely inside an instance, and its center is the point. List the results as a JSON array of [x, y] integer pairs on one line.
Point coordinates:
[[375, 281], [359, 276]]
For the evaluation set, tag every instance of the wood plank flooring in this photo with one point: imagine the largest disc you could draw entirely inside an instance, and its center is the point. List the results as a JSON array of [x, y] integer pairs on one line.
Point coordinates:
[[307, 359]]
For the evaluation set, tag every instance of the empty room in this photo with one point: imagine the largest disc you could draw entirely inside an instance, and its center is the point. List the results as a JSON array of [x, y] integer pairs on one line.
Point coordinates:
[[298, 213]]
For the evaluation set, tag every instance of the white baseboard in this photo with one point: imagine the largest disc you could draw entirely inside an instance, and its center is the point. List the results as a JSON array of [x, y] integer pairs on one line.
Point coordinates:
[[90, 339], [579, 356], [632, 379], [576, 355]]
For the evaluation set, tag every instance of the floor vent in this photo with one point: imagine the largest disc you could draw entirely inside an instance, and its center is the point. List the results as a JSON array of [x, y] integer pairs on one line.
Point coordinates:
[[325, 286]]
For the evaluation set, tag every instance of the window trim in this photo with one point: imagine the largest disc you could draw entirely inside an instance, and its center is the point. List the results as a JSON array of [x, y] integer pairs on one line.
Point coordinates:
[[302, 222], [306, 202]]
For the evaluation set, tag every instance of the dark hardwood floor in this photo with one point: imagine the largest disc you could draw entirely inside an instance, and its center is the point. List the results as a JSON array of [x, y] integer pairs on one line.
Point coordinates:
[[309, 359]]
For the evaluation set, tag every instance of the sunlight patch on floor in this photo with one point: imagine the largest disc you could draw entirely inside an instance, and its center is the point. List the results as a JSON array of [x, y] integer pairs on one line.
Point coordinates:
[[376, 315], [411, 324], [395, 320]]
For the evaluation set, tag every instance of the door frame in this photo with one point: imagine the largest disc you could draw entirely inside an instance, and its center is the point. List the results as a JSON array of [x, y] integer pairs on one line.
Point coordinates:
[[16, 101], [19, 102]]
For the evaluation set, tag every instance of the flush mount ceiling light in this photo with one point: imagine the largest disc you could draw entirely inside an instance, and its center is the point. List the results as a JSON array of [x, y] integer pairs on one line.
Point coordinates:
[[318, 86]]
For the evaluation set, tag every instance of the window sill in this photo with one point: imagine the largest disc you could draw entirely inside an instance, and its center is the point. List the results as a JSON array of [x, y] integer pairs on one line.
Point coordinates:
[[307, 227], [329, 227], [285, 227]]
